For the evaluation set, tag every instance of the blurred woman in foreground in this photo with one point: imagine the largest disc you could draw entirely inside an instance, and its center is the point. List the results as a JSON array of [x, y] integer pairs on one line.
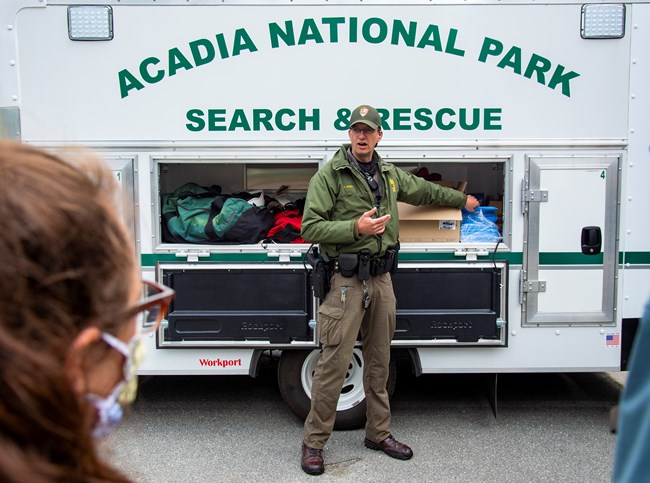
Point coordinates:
[[72, 310]]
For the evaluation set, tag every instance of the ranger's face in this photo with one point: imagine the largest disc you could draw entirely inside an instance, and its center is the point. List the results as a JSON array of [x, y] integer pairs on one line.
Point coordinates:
[[363, 139]]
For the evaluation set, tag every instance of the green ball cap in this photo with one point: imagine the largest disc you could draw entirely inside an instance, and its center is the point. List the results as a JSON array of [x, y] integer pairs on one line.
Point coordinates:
[[366, 115]]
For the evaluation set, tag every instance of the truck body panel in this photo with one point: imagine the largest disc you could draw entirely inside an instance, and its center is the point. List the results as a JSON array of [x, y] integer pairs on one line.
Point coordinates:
[[507, 96]]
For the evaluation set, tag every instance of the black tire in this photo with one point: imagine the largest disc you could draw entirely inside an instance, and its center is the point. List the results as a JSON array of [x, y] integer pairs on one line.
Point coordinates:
[[295, 372]]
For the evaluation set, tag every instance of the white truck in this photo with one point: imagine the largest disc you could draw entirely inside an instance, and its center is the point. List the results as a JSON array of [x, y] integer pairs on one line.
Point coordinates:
[[542, 107]]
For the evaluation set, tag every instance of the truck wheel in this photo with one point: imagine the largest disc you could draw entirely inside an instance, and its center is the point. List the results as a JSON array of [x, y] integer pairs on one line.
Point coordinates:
[[295, 375]]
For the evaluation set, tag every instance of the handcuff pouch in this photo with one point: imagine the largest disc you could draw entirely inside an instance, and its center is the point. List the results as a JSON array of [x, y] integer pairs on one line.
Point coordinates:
[[348, 263]]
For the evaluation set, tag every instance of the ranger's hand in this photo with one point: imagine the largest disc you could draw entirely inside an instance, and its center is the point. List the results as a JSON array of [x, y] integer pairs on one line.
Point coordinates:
[[471, 203], [368, 225]]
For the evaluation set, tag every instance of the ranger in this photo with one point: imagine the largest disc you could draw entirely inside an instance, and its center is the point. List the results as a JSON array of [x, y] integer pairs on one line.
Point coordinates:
[[351, 211]]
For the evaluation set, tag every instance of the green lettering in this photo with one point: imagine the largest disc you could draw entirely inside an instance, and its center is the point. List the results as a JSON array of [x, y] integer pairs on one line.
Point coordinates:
[[287, 36], [439, 121], [450, 48], [127, 82], [512, 59], [353, 29], [381, 34], [310, 31], [401, 119], [431, 37], [262, 117], [539, 65], [341, 121], [314, 119], [385, 116], [560, 78], [462, 119], [195, 116], [280, 122], [239, 121], [221, 43], [208, 49], [215, 118], [242, 42], [423, 116], [333, 23], [492, 121], [490, 47], [151, 79], [177, 61], [399, 31]]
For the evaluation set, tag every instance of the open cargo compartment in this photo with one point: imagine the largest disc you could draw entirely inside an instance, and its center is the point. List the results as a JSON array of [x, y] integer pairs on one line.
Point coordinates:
[[286, 178], [264, 186], [488, 178]]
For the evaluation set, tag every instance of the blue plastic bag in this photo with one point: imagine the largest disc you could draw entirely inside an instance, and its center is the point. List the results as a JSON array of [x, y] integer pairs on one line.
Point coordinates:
[[476, 228]]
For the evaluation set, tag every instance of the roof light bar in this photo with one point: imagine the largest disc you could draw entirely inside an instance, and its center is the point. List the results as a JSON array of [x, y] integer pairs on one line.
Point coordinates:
[[90, 22], [603, 21]]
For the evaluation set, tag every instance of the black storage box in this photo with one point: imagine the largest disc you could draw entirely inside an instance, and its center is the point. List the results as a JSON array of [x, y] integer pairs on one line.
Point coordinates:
[[240, 304], [449, 302]]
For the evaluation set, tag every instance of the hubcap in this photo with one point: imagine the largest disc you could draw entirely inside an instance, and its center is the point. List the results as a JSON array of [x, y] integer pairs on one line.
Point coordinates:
[[352, 392]]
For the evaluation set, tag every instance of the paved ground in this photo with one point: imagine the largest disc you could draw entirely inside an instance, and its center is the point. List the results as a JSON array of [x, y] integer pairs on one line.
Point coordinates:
[[619, 377], [550, 428]]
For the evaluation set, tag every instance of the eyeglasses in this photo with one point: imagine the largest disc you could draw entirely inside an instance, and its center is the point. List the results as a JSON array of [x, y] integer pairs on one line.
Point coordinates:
[[151, 309], [365, 130]]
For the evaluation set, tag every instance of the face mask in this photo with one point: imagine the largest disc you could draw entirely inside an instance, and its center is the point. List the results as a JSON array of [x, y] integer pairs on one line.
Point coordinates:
[[133, 362], [109, 412], [109, 408]]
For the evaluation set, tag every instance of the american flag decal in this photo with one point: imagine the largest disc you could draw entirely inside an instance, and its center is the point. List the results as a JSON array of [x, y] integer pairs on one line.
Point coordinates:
[[613, 339]]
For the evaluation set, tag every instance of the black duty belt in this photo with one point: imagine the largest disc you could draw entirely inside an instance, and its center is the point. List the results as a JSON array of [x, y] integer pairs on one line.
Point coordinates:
[[363, 265]]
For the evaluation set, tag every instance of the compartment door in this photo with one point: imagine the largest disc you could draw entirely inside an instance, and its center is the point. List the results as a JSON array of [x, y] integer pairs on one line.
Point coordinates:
[[442, 303], [247, 305], [569, 267]]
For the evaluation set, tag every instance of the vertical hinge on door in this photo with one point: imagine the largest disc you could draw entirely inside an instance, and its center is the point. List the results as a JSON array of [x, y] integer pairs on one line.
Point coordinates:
[[531, 196], [529, 286], [534, 286]]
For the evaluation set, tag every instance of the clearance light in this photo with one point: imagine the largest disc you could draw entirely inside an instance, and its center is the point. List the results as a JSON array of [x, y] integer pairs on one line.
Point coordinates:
[[605, 21], [90, 22]]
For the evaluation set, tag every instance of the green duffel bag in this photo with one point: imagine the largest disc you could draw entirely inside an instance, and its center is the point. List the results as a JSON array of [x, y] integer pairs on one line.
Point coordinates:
[[199, 215]]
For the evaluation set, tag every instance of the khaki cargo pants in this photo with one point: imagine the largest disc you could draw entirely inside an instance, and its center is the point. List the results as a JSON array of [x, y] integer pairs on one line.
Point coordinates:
[[341, 318]]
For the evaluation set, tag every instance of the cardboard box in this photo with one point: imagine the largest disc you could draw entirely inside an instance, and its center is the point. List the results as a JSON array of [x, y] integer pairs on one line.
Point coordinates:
[[460, 186], [422, 224]]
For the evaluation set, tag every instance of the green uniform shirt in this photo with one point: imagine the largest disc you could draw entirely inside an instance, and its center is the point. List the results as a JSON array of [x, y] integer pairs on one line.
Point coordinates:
[[338, 195]]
